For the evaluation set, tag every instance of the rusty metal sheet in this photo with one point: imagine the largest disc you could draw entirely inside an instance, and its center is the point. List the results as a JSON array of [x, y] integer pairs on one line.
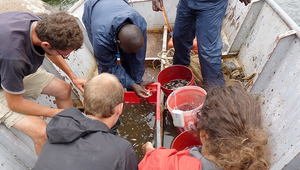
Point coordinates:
[[272, 51], [261, 41], [279, 91], [234, 19]]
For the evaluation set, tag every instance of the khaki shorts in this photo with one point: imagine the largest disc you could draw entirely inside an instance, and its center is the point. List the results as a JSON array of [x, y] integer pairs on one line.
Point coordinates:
[[33, 84]]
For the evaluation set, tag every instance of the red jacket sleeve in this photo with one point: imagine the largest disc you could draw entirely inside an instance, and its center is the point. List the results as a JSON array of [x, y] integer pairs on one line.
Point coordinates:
[[169, 159]]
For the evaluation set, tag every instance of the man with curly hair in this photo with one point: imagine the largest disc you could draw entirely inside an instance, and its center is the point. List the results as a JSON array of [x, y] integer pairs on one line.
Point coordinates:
[[26, 39]]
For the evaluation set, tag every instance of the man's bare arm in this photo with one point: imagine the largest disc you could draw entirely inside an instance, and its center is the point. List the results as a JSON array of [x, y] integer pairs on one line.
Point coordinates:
[[18, 103], [63, 65]]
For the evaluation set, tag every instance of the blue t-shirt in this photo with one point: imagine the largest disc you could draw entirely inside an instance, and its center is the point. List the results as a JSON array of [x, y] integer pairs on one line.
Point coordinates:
[[18, 56]]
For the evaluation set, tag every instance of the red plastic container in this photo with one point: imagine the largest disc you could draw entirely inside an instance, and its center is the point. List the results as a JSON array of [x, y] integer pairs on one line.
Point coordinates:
[[189, 99], [186, 140], [154, 88], [172, 73]]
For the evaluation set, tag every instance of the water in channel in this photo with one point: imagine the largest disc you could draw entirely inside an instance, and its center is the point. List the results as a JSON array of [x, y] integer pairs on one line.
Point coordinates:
[[139, 125]]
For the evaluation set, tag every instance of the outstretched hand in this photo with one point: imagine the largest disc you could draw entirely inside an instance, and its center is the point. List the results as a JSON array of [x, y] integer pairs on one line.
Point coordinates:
[[246, 2], [79, 82], [157, 5], [147, 147], [140, 90]]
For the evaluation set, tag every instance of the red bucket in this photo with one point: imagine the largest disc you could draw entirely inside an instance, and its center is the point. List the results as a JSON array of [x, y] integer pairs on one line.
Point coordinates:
[[172, 73], [186, 140], [191, 97]]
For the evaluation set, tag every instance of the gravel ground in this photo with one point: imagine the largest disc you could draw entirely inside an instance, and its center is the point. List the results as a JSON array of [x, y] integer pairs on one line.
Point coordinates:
[[36, 6]]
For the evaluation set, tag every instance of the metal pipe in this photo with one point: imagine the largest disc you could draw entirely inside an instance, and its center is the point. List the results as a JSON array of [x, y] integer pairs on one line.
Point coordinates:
[[283, 15], [165, 38]]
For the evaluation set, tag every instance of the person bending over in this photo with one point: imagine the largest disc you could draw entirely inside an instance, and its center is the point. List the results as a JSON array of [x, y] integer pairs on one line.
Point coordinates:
[[115, 28]]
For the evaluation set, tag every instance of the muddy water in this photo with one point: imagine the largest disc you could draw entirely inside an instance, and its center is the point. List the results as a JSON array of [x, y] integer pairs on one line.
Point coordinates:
[[187, 106], [139, 123], [169, 130]]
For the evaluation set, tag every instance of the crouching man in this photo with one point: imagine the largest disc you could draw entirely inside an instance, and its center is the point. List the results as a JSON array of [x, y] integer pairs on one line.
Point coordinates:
[[86, 141], [25, 40]]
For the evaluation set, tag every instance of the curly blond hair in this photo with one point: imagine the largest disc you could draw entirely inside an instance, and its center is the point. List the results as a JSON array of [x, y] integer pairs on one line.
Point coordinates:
[[61, 30], [232, 119]]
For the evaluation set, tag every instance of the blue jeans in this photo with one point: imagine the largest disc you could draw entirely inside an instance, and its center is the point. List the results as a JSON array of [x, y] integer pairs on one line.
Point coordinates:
[[204, 19]]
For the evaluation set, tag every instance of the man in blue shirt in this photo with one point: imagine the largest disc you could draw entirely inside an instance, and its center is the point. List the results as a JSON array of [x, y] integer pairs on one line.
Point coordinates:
[[114, 27]]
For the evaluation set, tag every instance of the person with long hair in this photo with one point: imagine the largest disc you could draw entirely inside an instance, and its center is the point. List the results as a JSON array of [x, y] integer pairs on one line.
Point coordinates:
[[231, 133]]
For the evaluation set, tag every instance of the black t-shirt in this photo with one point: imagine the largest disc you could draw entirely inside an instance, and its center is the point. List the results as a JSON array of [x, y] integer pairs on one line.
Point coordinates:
[[18, 56]]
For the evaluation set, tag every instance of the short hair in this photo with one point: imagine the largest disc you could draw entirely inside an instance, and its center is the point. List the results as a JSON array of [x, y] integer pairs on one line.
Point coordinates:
[[131, 37], [102, 94], [61, 30], [233, 121]]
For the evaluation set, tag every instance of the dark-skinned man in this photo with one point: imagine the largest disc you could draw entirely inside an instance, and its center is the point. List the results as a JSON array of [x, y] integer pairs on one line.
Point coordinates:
[[114, 27]]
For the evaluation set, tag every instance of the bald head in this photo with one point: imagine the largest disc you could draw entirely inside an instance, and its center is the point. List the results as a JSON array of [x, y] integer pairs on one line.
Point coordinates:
[[131, 38], [102, 94]]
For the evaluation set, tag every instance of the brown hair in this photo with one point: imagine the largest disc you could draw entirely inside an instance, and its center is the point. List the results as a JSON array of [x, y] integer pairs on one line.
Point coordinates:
[[232, 119], [102, 94], [61, 30]]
